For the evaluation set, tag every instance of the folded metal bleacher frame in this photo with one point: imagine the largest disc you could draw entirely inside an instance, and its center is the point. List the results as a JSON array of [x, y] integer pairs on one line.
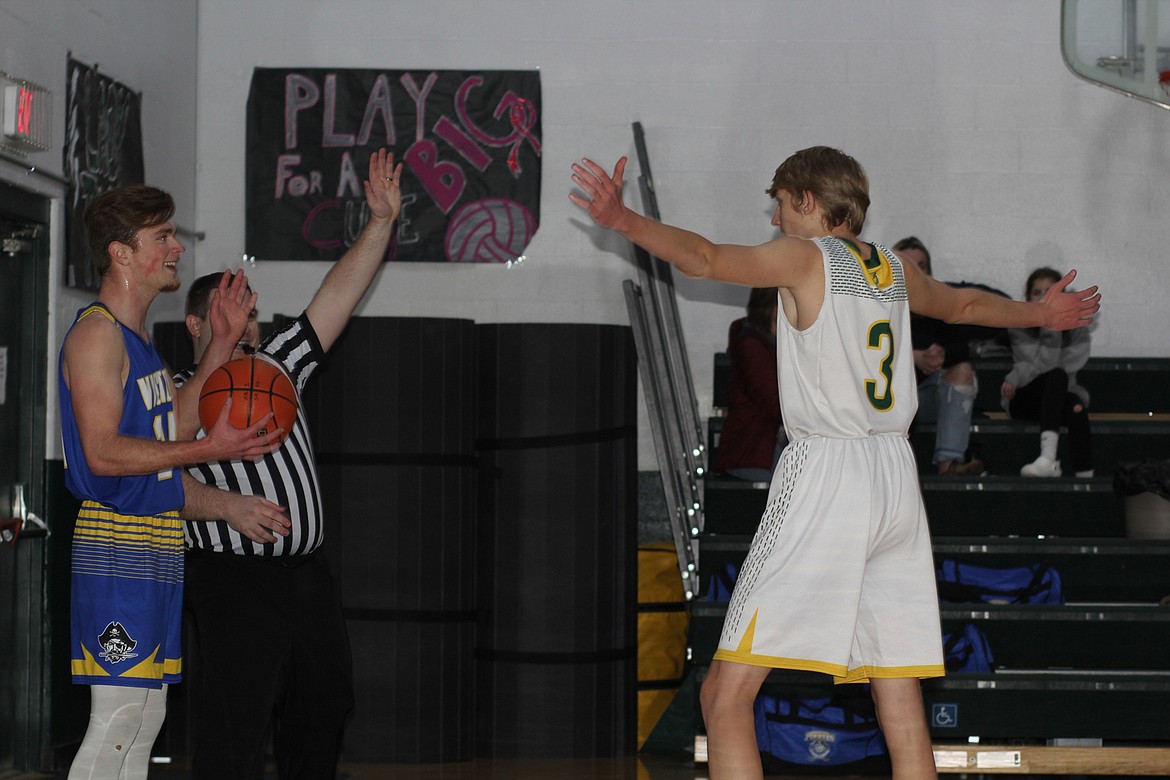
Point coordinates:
[[668, 387]]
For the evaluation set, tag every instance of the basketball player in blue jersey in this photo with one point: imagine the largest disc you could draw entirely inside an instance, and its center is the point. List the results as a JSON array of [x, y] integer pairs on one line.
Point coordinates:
[[839, 578], [271, 641], [126, 430]]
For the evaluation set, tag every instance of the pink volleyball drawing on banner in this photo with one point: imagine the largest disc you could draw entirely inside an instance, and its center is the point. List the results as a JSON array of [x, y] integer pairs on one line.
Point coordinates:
[[491, 230]]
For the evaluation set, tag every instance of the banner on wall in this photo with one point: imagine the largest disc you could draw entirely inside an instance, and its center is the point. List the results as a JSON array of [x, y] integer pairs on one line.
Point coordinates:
[[103, 150], [469, 141]]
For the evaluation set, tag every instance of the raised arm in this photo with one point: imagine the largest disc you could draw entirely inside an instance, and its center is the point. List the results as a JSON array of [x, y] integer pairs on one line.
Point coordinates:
[[228, 310], [783, 262], [1059, 309], [350, 277]]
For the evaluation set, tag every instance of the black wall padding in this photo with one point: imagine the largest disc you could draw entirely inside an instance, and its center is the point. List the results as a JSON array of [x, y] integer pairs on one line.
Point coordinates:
[[556, 646], [174, 344], [393, 418]]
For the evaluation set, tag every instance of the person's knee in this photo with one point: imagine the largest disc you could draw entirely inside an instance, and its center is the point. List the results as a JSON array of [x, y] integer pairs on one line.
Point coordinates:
[[116, 729], [716, 697], [959, 374], [897, 700], [729, 688], [708, 694]]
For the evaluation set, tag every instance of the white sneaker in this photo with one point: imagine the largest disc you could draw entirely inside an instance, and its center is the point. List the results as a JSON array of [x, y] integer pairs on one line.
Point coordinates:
[[1041, 467]]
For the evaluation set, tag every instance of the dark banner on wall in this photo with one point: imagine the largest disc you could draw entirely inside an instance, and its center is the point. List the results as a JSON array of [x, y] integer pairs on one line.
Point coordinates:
[[470, 142], [103, 150]]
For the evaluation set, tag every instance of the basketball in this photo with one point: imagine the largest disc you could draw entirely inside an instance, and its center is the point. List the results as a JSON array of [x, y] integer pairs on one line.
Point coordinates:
[[256, 384]]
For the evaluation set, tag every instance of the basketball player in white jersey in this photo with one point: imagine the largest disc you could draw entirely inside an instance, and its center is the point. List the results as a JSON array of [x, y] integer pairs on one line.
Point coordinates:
[[839, 578]]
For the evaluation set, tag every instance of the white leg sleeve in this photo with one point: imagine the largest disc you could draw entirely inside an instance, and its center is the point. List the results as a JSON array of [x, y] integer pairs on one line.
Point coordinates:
[[154, 712], [117, 726]]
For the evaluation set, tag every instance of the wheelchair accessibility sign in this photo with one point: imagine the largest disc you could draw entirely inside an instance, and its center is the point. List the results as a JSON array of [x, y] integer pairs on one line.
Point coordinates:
[[944, 716]]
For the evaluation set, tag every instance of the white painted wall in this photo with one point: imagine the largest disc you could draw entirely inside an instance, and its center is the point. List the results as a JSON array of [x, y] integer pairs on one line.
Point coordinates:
[[975, 135]]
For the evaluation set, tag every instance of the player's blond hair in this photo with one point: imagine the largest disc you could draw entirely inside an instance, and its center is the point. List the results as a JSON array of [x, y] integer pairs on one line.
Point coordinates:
[[836, 180]]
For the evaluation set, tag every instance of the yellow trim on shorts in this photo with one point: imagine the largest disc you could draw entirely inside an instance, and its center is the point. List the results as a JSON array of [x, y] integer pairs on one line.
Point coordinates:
[[88, 665], [864, 674], [148, 669], [780, 662], [744, 655], [152, 670], [839, 672]]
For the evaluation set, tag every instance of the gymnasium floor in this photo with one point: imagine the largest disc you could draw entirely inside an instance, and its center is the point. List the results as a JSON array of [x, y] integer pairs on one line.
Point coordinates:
[[640, 768]]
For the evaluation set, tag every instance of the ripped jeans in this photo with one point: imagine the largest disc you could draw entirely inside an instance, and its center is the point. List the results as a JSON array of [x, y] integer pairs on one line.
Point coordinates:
[[949, 408]]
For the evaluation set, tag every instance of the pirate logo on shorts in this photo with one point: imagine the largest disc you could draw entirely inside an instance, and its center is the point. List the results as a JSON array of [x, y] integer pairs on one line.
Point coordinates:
[[820, 744], [117, 645]]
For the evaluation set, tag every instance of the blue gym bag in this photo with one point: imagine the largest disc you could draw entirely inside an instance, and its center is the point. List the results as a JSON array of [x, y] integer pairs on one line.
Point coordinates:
[[818, 731], [966, 650], [965, 583]]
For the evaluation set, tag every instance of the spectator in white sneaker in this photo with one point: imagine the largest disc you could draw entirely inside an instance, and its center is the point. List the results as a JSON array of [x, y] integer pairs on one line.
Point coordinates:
[[1042, 385]]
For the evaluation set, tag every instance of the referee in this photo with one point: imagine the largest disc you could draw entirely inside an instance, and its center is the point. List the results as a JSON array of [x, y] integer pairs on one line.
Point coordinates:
[[270, 639]]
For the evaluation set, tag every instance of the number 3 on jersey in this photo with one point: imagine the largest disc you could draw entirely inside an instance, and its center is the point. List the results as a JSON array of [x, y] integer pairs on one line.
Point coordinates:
[[881, 336]]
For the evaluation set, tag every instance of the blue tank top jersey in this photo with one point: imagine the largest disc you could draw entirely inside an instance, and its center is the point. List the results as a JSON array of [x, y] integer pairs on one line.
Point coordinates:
[[148, 412]]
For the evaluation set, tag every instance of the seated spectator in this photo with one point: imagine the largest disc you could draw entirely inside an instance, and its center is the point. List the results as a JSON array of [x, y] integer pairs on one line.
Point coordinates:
[[1042, 385], [753, 434], [946, 379]]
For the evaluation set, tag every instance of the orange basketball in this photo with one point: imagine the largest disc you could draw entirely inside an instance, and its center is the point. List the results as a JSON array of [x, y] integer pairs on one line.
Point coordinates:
[[256, 384]]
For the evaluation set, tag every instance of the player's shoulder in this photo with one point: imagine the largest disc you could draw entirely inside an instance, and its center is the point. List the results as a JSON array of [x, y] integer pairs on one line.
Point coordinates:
[[807, 251], [95, 327]]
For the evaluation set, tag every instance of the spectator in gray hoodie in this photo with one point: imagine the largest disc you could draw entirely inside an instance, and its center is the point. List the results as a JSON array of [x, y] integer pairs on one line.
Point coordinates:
[[1042, 386]]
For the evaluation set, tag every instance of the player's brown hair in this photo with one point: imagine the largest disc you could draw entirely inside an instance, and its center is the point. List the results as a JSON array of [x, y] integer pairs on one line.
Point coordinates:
[[199, 294], [835, 179], [118, 215]]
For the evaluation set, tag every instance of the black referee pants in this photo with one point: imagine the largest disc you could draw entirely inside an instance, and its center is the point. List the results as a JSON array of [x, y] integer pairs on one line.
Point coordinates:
[[270, 651]]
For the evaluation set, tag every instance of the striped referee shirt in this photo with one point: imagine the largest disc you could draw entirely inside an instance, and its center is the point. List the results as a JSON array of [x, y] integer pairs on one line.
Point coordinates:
[[287, 477]]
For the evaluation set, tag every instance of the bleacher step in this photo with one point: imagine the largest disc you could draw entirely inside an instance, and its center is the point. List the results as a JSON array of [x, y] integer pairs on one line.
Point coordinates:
[[1108, 637], [1092, 570], [1069, 636], [959, 506], [1005, 445], [1114, 384], [1042, 706]]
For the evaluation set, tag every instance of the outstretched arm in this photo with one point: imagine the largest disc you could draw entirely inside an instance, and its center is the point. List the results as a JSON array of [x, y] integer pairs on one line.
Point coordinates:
[[783, 262], [1059, 309], [350, 277]]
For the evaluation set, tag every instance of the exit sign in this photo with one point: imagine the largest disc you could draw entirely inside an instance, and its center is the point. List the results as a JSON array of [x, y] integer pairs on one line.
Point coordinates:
[[26, 113]]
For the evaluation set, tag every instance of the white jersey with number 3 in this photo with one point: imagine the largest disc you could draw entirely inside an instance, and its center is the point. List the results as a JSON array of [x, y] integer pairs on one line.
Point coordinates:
[[851, 373], [840, 576]]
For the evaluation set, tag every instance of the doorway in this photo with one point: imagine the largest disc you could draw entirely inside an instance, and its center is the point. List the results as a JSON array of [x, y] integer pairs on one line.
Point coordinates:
[[24, 308]]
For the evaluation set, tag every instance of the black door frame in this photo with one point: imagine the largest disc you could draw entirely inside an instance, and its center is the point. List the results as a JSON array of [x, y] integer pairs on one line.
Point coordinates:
[[27, 719]]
